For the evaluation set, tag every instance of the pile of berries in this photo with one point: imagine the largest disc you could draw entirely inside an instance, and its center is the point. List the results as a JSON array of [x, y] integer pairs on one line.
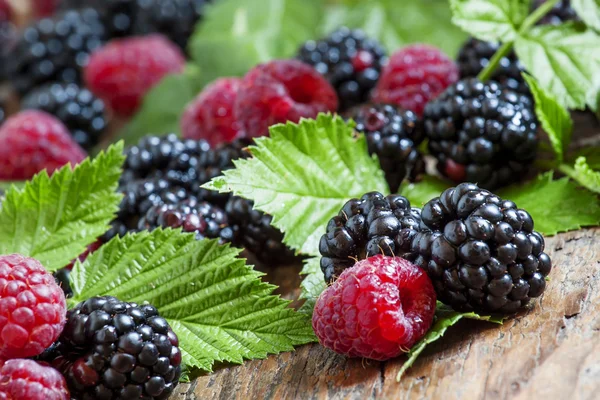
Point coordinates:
[[103, 348]]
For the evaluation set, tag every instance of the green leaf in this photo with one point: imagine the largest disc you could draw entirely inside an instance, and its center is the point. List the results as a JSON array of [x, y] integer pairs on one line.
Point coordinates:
[[5, 185], [588, 11], [303, 174], [555, 119], [163, 106], [555, 205], [53, 219], [584, 174], [235, 35], [591, 154], [379, 19], [421, 192], [217, 305], [564, 60], [490, 20], [445, 318], [312, 285]]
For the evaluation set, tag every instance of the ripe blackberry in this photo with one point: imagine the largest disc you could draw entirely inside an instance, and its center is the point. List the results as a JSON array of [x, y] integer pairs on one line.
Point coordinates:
[[8, 38], [81, 112], [561, 12], [118, 16], [481, 251], [111, 349], [55, 49], [191, 215], [475, 55], [394, 135], [349, 60], [365, 227], [482, 132], [256, 232], [63, 279]]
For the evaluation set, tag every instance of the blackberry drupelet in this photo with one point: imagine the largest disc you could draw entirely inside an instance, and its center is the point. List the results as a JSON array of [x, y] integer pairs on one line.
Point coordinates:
[[256, 233], [81, 112], [475, 55], [394, 135], [561, 12], [482, 132], [55, 49], [118, 16], [191, 215], [349, 60], [374, 224], [111, 349], [481, 251]]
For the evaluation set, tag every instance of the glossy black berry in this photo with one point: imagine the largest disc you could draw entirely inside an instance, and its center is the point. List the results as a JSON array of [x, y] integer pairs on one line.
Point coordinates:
[[256, 233], [481, 251], [482, 132], [349, 60], [374, 224], [82, 113], [393, 135], [118, 16], [111, 349], [561, 12], [8, 38], [63, 279]]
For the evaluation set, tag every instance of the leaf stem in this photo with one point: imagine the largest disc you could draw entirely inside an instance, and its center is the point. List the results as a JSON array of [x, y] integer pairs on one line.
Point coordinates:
[[536, 15]]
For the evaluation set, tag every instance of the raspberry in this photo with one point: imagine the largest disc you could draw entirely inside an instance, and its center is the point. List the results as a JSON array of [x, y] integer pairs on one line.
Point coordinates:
[[5, 11], [349, 60], [32, 307], [124, 70], [76, 107], [45, 8], [482, 132], [111, 349], [415, 75], [481, 251], [377, 309], [210, 116], [280, 91], [31, 141], [394, 135], [29, 380], [363, 228]]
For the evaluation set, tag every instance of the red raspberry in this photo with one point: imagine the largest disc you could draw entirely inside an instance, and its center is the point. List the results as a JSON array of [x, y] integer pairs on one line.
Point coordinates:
[[376, 309], [5, 11], [29, 380], [124, 70], [44, 8], [31, 141], [280, 91], [210, 116], [415, 75], [33, 308]]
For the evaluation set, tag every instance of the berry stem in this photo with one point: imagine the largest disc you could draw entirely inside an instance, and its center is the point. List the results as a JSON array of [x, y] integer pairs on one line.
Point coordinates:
[[536, 15], [489, 69]]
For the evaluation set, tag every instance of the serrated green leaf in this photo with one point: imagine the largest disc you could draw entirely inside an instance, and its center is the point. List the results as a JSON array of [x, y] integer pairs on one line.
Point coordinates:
[[555, 205], [235, 35], [303, 174], [564, 60], [555, 119], [584, 175], [312, 285], [5, 185], [53, 219], [591, 154], [490, 20], [379, 19], [163, 106], [588, 11], [421, 192], [217, 305]]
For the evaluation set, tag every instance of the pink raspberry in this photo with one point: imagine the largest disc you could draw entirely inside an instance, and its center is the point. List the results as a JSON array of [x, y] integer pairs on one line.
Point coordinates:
[[281, 91], [124, 70], [33, 308], [29, 380], [415, 75], [377, 309], [31, 141], [210, 116]]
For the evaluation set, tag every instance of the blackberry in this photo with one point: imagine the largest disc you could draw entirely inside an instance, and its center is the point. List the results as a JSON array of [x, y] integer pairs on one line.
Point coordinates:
[[475, 55], [191, 215], [118, 16], [393, 135], [8, 36], [482, 132], [481, 251], [349, 60], [256, 232], [111, 349], [374, 224], [55, 49], [63, 279], [561, 12], [80, 111]]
